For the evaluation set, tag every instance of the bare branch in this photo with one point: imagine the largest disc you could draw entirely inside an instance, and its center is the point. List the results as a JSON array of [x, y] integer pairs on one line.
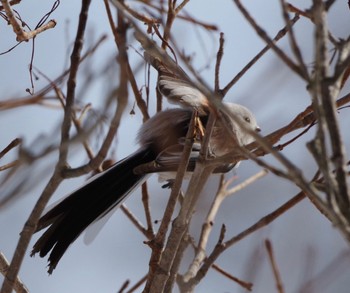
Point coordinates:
[[14, 143], [278, 36], [274, 266], [219, 56], [137, 285], [221, 195], [18, 286], [245, 285], [158, 242], [135, 221], [21, 34], [294, 45], [291, 64]]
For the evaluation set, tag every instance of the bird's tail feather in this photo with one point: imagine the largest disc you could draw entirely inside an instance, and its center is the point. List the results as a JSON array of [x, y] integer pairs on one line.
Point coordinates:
[[75, 213]]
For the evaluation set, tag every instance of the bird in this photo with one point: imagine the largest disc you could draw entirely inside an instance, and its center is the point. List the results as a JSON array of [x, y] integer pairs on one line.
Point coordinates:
[[161, 141]]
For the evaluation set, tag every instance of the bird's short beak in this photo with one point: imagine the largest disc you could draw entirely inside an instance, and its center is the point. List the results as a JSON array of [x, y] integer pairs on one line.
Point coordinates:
[[257, 129]]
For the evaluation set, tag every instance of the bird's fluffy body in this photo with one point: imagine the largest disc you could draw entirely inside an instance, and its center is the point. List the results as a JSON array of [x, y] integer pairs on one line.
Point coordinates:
[[161, 141], [67, 220]]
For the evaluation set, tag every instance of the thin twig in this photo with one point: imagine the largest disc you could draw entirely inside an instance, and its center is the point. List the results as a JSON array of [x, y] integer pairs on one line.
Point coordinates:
[[9, 165], [137, 285], [37, 99], [124, 286], [139, 100], [245, 285], [76, 121], [21, 34], [187, 17], [290, 63], [11, 2], [147, 208], [18, 286], [238, 76], [219, 56], [10, 146], [246, 182], [274, 266], [135, 221], [294, 45]]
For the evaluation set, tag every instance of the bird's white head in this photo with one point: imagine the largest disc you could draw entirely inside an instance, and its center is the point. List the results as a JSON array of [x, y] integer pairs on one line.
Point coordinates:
[[247, 118]]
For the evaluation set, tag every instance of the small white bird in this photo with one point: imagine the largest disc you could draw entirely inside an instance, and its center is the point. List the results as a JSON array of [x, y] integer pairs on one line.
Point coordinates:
[[161, 142]]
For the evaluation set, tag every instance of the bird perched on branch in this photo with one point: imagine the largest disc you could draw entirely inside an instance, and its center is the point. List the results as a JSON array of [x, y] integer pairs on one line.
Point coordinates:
[[161, 141]]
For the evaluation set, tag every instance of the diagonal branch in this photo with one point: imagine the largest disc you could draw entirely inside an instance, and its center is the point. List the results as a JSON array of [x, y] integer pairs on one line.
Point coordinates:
[[289, 62], [278, 36]]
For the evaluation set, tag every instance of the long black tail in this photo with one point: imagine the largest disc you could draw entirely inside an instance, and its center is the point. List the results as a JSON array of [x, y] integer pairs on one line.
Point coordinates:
[[70, 218]]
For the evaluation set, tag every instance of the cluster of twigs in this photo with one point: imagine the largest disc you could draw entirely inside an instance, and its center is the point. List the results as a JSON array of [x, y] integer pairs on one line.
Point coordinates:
[[328, 190], [13, 18]]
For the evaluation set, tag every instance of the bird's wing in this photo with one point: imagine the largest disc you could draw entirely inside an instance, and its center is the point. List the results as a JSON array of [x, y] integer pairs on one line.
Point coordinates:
[[173, 82], [182, 93]]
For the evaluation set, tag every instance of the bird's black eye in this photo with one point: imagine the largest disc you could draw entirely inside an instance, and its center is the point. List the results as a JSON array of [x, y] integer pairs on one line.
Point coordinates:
[[247, 119]]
